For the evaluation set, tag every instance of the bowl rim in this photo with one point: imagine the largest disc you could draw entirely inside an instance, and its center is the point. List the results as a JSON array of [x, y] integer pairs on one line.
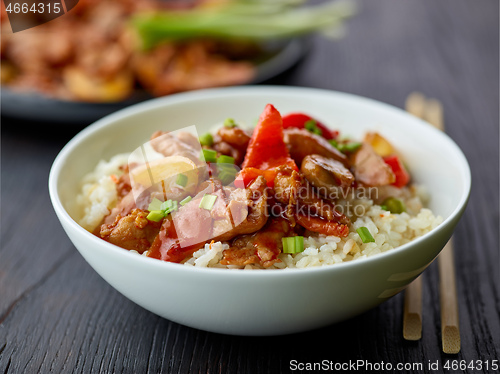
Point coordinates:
[[211, 93]]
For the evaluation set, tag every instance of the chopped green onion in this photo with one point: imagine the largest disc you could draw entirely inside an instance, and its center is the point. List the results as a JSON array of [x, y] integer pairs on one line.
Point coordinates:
[[207, 139], [299, 244], [226, 177], [182, 180], [223, 159], [208, 155], [333, 142], [365, 235], [393, 205], [208, 201], [169, 206], [256, 21], [155, 204], [155, 215], [229, 122], [293, 244], [229, 168], [166, 205], [349, 147], [311, 126], [185, 200]]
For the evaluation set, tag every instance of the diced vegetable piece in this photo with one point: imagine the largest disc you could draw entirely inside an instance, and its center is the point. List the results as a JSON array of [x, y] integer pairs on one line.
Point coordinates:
[[379, 144], [299, 243], [208, 155], [311, 125], [155, 215], [333, 142], [227, 176], [301, 120], [365, 235], [399, 170], [288, 244], [349, 147], [185, 200], [155, 204], [293, 244], [393, 205], [169, 206], [207, 139], [230, 168], [223, 159], [181, 180], [267, 149], [208, 201], [247, 175], [166, 205], [229, 122]]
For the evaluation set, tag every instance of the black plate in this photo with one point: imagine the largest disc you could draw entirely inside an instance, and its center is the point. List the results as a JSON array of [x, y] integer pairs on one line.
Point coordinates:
[[34, 107]]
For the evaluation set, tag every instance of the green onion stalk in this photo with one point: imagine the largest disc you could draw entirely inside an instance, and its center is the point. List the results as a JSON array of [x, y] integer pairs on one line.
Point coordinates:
[[244, 21]]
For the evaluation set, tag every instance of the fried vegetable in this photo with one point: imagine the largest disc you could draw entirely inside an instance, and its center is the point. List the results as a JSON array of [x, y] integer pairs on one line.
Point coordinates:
[[301, 120], [402, 177], [266, 150], [393, 205], [379, 144], [94, 89]]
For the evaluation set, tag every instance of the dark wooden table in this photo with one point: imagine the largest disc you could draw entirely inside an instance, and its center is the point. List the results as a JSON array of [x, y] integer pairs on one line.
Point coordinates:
[[57, 315]]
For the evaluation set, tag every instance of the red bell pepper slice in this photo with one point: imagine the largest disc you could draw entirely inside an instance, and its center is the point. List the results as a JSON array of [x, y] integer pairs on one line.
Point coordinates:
[[266, 150], [322, 226], [399, 170], [299, 120]]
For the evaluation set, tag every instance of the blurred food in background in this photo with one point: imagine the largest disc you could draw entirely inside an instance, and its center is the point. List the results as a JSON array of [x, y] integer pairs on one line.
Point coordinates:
[[105, 50]]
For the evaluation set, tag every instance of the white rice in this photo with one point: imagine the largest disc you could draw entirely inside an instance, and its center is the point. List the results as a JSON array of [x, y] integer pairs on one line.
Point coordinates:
[[98, 192], [98, 196]]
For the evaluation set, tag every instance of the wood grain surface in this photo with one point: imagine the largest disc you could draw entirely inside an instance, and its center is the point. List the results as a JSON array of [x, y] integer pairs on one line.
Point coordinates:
[[58, 316]]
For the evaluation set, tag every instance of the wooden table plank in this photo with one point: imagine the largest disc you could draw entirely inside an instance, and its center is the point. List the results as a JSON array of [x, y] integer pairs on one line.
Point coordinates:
[[58, 315]]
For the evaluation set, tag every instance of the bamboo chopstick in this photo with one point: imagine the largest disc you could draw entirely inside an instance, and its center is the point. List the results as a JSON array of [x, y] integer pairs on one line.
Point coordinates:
[[432, 111], [450, 330], [412, 313]]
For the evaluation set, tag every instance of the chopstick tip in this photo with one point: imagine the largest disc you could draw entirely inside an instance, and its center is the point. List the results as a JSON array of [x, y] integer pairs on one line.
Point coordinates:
[[412, 326], [451, 339]]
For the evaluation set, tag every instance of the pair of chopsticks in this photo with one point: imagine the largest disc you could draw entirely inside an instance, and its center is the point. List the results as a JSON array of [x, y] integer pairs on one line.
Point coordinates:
[[431, 110]]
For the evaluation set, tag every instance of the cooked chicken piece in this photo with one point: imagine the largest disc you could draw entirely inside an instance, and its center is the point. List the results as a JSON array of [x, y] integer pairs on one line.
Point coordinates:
[[227, 149], [326, 174], [261, 248], [177, 67], [123, 208], [291, 189], [133, 231], [235, 212], [301, 143], [253, 215], [370, 169], [182, 144], [235, 136], [232, 142]]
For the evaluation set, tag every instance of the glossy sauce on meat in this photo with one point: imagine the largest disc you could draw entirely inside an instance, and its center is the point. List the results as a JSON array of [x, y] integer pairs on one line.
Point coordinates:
[[252, 216], [263, 247]]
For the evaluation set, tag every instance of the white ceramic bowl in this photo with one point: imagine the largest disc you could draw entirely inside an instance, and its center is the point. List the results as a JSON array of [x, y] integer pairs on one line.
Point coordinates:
[[263, 302]]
